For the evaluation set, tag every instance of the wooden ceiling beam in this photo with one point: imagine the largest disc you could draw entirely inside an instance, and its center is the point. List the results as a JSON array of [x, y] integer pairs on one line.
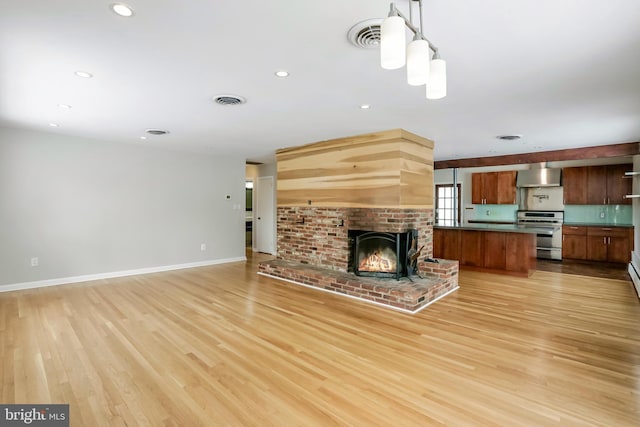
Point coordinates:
[[600, 151]]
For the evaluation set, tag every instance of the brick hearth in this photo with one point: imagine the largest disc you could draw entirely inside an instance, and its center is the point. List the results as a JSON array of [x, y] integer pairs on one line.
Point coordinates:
[[314, 250], [404, 294]]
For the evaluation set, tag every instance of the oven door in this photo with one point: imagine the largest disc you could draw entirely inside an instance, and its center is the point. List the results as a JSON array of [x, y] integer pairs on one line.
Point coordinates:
[[544, 241], [549, 246]]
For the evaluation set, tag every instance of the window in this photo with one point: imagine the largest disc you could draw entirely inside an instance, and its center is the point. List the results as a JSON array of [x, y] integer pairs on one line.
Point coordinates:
[[445, 210]]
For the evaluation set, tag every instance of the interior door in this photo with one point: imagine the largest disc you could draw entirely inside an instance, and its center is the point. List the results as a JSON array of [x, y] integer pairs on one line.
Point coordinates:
[[264, 216]]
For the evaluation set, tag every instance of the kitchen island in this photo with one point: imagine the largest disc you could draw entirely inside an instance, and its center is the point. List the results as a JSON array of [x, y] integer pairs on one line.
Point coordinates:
[[496, 248]]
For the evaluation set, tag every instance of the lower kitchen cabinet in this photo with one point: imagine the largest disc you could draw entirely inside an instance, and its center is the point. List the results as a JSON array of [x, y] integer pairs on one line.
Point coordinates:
[[607, 244], [495, 251], [446, 244], [574, 242], [597, 248], [472, 248]]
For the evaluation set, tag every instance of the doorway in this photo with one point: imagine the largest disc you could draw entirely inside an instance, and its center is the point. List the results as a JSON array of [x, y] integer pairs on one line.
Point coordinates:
[[264, 237], [248, 217]]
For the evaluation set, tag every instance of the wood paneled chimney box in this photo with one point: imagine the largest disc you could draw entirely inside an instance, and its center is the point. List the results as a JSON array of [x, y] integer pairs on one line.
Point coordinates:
[[392, 169], [379, 182]]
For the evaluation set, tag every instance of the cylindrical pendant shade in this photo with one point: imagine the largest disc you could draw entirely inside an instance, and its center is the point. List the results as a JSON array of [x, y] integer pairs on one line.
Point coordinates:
[[437, 86], [392, 43], [418, 62]]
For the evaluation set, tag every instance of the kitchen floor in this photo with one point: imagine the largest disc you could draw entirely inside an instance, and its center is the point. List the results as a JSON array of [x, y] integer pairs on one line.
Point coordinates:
[[585, 268]]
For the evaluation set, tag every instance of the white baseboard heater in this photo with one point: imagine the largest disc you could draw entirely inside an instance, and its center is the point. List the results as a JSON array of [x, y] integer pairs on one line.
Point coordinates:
[[634, 271]]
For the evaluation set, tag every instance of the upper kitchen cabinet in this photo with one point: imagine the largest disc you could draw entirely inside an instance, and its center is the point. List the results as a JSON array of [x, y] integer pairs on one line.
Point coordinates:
[[493, 188], [596, 185], [607, 185], [574, 183], [618, 185]]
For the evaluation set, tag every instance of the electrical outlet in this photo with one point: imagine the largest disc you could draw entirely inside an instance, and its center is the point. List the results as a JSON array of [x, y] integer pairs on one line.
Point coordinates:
[[203, 247], [602, 214], [35, 262]]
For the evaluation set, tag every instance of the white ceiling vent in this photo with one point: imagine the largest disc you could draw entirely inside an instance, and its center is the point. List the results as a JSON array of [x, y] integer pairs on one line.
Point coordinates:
[[227, 99], [156, 131], [513, 137], [366, 34]]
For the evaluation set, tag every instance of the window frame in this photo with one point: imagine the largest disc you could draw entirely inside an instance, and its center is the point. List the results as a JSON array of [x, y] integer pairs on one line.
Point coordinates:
[[438, 201]]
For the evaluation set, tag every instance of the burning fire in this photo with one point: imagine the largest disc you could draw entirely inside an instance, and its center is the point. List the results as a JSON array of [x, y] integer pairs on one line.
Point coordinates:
[[378, 261]]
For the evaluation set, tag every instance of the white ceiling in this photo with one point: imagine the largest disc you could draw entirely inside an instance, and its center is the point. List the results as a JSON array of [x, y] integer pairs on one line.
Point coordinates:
[[564, 73]]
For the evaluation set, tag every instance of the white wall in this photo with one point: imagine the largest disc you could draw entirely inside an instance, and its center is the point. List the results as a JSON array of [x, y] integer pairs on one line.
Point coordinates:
[[86, 207]]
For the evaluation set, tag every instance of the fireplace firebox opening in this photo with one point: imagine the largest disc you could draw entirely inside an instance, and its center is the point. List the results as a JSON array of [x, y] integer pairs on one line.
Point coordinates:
[[379, 254]]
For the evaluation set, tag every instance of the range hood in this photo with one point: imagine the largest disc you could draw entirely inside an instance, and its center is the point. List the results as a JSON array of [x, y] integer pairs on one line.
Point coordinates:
[[539, 176]]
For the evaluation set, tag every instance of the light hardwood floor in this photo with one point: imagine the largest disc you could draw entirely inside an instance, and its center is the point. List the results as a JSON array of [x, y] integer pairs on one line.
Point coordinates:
[[221, 345]]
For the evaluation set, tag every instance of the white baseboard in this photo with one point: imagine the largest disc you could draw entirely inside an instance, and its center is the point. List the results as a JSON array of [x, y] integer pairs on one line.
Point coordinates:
[[110, 275], [404, 310]]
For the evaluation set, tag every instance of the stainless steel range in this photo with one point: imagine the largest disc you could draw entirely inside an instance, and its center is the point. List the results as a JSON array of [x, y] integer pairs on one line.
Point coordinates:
[[549, 243]]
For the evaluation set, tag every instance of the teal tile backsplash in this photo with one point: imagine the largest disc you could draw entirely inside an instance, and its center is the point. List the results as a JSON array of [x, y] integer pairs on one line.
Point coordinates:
[[491, 213], [592, 214]]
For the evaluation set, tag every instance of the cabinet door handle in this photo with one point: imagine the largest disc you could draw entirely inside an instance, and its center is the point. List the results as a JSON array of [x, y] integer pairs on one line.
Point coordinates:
[[604, 240], [604, 201], [607, 229]]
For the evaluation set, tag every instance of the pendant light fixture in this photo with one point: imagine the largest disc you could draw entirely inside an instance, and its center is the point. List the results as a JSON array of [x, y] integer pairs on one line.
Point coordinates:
[[422, 68], [437, 85], [418, 62], [392, 43]]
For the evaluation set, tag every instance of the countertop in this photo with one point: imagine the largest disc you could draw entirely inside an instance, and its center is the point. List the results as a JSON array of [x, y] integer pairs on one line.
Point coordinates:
[[593, 224], [508, 228]]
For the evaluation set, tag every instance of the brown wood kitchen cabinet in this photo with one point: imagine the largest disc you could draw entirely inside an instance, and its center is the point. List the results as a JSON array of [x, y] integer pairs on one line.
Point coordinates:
[[574, 242], [493, 188], [446, 244], [494, 251], [472, 248], [618, 185], [611, 244], [574, 183], [597, 185]]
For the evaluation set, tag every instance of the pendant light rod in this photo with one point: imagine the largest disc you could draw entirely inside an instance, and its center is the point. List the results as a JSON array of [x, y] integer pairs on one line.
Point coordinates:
[[394, 11], [420, 10]]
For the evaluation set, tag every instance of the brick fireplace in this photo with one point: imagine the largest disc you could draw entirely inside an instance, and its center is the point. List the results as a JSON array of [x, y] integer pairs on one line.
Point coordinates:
[[376, 182]]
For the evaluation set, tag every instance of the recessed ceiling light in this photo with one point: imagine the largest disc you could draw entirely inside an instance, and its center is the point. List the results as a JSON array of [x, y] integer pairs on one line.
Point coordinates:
[[84, 74], [143, 137], [65, 106], [509, 137], [54, 125], [282, 73], [365, 106], [122, 9]]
